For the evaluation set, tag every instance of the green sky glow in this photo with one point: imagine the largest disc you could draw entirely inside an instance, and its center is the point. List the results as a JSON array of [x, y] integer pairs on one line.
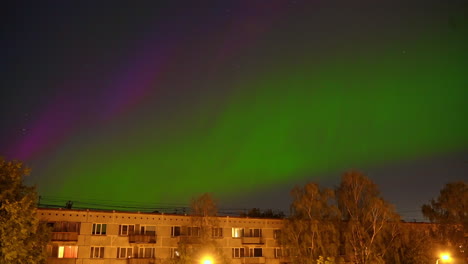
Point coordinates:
[[288, 121]]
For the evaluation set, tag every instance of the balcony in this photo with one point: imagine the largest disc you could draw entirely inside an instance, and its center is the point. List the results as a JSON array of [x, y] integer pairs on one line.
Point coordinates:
[[252, 240], [61, 261], [142, 238], [64, 236], [142, 261], [253, 260]]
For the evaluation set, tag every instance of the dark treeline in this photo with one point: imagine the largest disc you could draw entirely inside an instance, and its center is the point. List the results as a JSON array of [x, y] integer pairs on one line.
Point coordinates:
[[352, 223]]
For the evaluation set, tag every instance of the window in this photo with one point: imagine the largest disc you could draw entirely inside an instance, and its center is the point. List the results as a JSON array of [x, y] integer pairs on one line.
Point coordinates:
[[64, 226], [62, 251], [124, 252], [125, 230], [277, 233], [97, 252], [148, 230], [255, 232], [255, 252], [217, 232], [193, 231], [278, 253], [175, 231], [175, 253], [99, 229], [146, 252], [238, 252], [237, 232]]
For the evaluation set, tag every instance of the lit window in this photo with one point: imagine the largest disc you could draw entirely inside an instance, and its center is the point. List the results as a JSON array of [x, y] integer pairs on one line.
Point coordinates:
[[124, 252], [67, 252], [99, 229], [237, 232], [97, 252], [238, 252], [125, 230]]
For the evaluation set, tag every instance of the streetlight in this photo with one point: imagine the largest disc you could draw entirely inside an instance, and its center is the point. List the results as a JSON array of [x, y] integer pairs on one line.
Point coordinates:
[[444, 258], [207, 260]]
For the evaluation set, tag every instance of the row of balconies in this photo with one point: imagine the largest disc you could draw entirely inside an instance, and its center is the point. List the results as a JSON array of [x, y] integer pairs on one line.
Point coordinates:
[[149, 238], [246, 260], [132, 238], [117, 261]]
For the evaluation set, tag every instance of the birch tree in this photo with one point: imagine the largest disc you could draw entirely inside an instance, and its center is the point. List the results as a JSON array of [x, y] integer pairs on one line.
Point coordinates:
[[369, 222], [311, 231]]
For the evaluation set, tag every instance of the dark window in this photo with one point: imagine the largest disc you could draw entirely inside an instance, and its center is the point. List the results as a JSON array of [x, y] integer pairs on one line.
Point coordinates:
[[193, 231], [97, 252], [217, 232], [175, 231], [256, 252], [277, 233]]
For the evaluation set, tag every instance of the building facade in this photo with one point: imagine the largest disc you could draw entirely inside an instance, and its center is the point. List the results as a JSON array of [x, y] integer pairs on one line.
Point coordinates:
[[104, 237]]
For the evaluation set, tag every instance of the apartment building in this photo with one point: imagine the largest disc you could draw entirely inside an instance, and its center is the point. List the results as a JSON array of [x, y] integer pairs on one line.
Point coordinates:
[[104, 237]]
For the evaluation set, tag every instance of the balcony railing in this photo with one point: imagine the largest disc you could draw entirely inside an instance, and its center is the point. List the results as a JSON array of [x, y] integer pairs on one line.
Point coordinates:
[[253, 260], [252, 240], [142, 238], [64, 236]]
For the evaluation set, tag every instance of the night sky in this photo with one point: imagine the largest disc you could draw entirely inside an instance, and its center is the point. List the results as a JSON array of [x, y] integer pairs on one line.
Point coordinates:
[[154, 102]]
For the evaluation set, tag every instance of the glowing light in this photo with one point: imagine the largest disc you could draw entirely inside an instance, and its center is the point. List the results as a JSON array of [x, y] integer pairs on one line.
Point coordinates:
[[207, 260], [445, 258]]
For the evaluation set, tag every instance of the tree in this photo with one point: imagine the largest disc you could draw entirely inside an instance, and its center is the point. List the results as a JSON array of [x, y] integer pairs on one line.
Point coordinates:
[[413, 245], [203, 211], [268, 213], [370, 224], [198, 242], [450, 212], [311, 231], [22, 237]]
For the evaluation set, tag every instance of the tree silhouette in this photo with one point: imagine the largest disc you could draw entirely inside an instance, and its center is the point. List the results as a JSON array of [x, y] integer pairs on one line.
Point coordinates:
[[450, 212], [22, 237]]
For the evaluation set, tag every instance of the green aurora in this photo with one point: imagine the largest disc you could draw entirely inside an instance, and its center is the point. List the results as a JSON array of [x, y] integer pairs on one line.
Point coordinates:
[[291, 120]]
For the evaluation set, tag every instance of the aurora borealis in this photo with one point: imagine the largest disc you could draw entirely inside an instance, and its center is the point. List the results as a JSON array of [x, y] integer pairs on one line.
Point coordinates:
[[159, 102]]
